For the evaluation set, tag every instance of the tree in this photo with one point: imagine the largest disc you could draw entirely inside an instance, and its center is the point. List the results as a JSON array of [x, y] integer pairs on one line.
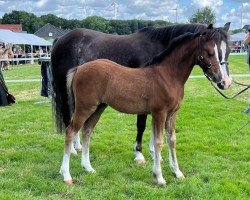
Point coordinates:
[[97, 23], [52, 19], [29, 21], [204, 16], [121, 27]]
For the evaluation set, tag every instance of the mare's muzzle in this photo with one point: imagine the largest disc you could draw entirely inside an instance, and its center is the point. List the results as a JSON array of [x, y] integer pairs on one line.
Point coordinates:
[[226, 80]]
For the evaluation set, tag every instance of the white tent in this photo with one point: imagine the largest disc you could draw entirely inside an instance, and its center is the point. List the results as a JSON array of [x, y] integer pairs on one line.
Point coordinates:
[[7, 36], [237, 37], [35, 40]]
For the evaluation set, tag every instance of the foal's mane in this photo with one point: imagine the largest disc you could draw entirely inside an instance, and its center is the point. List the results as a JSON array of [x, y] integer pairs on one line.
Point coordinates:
[[157, 59]]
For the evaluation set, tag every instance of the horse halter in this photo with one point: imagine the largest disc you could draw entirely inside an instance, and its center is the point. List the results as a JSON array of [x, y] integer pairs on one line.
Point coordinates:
[[202, 60]]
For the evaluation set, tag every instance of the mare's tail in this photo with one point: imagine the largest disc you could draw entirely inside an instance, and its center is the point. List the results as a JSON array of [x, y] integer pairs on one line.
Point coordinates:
[[71, 97]]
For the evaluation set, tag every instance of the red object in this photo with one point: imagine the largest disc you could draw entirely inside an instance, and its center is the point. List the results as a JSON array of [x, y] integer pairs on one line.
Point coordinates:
[[12, 27]]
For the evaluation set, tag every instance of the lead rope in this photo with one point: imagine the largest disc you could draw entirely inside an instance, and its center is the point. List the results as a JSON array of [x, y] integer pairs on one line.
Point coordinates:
[[226, 97], [242, 84]]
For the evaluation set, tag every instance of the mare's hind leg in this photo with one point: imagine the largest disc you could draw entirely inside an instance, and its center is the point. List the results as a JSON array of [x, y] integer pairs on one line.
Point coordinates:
[[87, 131], [77, 122], [171, 139], [141, 125]]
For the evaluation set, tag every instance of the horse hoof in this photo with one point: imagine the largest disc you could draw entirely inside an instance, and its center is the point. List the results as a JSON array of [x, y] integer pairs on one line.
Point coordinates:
[[161, 182], [73, 151], [69, 182], [79, 150], [91, 170], [181, 177], [140, 162]]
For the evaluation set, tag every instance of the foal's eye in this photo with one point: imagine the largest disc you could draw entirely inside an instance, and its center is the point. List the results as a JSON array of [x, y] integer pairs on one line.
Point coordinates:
[[211, 53]]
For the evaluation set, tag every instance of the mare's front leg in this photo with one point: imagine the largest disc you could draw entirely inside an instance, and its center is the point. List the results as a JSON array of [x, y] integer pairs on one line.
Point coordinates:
[[171, 140], [158, 124], [141, 125]]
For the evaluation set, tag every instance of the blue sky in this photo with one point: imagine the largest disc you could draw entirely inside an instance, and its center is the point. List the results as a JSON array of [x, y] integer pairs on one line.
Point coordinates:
[[225, 10]]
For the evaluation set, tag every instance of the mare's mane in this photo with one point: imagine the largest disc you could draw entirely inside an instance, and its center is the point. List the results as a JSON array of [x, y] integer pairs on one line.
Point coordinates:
[[173, 44], [168, 33]]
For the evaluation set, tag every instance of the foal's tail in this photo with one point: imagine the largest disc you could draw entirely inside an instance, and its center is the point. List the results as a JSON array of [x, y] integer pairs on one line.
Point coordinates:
[[71, 98]]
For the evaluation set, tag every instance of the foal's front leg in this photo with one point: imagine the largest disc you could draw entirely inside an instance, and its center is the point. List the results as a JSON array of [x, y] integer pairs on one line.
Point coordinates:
[[158, 127], [171, 139]]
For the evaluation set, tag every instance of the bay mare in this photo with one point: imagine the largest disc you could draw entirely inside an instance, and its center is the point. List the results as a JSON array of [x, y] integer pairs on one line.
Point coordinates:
[[82, 45], [157, 89]]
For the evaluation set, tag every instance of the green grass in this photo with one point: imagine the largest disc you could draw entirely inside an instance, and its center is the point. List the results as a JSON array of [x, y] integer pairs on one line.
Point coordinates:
[[212, 153]]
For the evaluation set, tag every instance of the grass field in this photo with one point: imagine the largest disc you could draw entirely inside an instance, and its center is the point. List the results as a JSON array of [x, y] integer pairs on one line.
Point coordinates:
[[213, 153]]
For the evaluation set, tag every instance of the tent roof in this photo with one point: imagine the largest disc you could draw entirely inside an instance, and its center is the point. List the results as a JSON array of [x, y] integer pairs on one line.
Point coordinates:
[[8, 36], [237, 37], [247, 27], [35, 40]]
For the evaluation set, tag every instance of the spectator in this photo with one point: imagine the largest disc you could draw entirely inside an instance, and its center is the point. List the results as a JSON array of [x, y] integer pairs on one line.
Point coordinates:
[[5, 97], [247, 46]]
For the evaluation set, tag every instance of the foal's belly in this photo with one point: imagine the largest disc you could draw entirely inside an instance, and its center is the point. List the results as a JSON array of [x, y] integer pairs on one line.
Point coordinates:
[[129, 98]]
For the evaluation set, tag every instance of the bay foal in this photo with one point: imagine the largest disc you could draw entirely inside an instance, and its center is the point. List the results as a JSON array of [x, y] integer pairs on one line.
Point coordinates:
[[156, 89]]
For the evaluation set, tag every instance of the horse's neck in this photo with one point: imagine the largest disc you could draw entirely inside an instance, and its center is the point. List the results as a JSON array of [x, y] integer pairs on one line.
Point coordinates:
[[179, 64]]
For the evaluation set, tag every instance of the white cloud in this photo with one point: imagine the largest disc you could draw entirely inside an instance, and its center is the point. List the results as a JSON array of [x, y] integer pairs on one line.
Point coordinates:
[[130, 9], [41, 3]]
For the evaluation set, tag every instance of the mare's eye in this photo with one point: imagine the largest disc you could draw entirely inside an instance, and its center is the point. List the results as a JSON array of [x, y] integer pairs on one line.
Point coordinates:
[[211, 53]]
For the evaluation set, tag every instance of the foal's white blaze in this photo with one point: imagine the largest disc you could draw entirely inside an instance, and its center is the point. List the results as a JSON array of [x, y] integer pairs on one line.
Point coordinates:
[[217, 58]]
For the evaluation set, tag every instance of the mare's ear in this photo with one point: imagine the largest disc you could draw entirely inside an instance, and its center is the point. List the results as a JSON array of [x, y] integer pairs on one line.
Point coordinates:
[[227, 26], [210, 26], [210, 34]]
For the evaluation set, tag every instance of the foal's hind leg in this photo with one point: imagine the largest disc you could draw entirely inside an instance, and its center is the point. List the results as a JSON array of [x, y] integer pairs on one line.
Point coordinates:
[[141, 125], [77, 122], [158, 127], [152, 147], [171, 139], [87, 131], [76, 144]]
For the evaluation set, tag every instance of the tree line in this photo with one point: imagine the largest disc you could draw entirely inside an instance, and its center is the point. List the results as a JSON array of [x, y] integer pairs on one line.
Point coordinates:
[[31, 23]]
